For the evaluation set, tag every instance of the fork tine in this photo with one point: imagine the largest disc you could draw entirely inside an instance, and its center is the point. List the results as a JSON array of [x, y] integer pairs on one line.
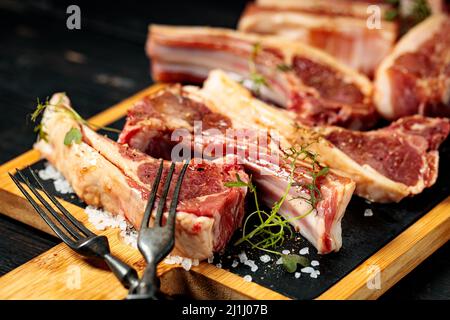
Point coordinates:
[[66, 213], [42, 213], [50, 209], [162, 200], [173, 205], [152, 197]]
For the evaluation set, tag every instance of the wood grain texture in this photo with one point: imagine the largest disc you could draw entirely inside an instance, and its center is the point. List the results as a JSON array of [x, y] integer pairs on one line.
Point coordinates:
[[397, 258], [51, 275]]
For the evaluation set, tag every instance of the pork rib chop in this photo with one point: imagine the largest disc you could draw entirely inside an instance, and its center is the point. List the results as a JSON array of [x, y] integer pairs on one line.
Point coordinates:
[[318, 88], [387, 165], [118, 178], [157, 117]]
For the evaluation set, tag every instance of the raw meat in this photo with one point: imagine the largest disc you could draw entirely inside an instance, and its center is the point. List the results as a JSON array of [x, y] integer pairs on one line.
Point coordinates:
[[308, 81], [415, 77], [341, 34], [158, 117], [387, 165], [118, 178]]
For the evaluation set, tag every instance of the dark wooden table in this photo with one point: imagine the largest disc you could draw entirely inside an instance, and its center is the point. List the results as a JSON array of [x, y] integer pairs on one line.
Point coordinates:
[[97, 66]]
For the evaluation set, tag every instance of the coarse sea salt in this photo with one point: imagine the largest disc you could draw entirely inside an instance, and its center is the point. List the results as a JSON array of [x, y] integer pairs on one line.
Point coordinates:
[[219, 265], [304, 251], [307, 270], [234, 264], [265, 258], [186, 263], [251, 264], [59, 182], [279, 261], [248, 278], [314, 263], [210, 259], [242, 257], [297, 275], [368, 213], [102, 219]]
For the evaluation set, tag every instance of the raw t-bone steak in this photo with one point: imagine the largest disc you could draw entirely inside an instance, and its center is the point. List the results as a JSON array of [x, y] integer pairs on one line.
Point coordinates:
[[152, 121], [118, 178], [387, 165]]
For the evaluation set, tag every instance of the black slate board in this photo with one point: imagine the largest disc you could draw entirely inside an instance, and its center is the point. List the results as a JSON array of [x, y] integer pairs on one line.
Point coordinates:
[[361, 236]]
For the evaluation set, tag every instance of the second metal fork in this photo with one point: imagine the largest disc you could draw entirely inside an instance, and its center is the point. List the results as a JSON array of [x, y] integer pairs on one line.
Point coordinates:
[[157, 241]]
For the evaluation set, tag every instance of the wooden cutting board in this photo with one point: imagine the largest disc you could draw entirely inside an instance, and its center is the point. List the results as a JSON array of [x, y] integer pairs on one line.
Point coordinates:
[[62, 274]]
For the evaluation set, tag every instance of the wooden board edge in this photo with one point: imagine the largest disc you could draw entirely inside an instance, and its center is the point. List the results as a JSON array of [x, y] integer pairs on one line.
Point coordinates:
[[396, 259]]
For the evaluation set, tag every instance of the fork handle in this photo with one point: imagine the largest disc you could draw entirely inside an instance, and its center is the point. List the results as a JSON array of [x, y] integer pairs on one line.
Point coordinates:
[[148, 286], [126, 274]]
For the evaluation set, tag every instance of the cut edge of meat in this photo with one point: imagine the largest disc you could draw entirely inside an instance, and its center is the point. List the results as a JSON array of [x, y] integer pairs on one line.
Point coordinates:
[[410, 42], [301, 26]]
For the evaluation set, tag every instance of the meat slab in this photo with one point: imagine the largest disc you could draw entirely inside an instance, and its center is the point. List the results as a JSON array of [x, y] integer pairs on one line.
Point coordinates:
[[387, 165], [118, 178], [415, 77], [318, 88], [156, 119]]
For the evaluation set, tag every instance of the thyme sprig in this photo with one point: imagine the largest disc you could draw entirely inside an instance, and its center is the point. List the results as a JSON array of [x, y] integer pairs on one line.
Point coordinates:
[[256, 78], [74, 134], [272, 228]]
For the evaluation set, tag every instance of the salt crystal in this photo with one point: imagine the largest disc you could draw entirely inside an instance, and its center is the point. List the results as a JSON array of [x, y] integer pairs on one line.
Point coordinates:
[[234, 264], [219, 265], [285, 252], [297, 275], [304, 251], [248, 278], [210, 259], [251, 264], [279, 261], [368, 213], [242, 257], [49, 172], [307, 270], [62, 186], [186, 264], [315, 263], [313, 275], [195, 262], [265, 258]]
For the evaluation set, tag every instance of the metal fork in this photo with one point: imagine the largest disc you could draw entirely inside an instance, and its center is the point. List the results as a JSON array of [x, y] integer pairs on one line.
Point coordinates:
[[157, 241], [74, 233]]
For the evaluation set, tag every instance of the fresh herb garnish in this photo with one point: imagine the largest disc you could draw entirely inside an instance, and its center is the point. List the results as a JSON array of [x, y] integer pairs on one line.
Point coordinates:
[[67, 109], [290, 262], [271, 231], [283, 67], [420, 10], [73, 136], [391, 14], [256, 78]]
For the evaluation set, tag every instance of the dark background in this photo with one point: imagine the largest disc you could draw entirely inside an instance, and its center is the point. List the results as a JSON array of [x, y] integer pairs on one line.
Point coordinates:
[[98, 66]]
